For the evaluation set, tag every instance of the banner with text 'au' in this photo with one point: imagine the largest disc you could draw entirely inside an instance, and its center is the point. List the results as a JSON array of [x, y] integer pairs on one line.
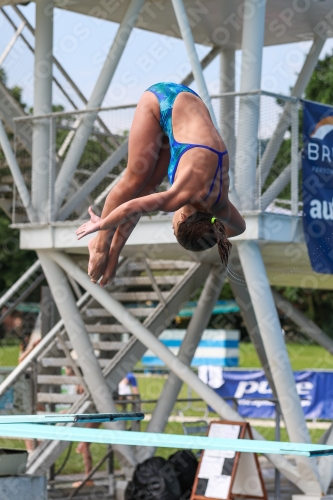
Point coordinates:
[[317, 163]]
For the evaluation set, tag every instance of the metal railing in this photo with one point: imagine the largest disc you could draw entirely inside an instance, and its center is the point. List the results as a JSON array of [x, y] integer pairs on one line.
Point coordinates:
[[277, 146]]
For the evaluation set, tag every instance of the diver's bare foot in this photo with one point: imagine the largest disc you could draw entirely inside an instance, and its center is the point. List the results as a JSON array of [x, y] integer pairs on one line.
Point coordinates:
[[97, 261], [111, 268]]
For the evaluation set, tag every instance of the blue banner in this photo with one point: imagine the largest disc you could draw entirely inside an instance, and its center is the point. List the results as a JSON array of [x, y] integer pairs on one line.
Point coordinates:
[[317, 162], [315, 390]]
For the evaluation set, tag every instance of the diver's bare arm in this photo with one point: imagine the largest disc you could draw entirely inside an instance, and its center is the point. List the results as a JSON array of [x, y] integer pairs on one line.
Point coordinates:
[[167, 201], [234, 222], [122, 192]]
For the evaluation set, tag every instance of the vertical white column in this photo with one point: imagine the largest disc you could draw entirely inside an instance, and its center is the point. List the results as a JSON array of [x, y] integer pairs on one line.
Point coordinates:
[[277, 355], [246, 146], [227, 104], [42, 105], [294, 158], [243, 299]]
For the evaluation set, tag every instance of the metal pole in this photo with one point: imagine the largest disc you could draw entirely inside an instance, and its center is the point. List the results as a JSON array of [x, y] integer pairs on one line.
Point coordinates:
[[42, 105], [277, 355], [294, 158], [204, 63], [81, 343], [57, 64], [198, 323], [83, 132], [107, 166], [14, 288], [227, 104], [325, 466], [12, 42], [176, 365], [110, 469], [307, 326], [16, 173], [32, 356], [278, 185], [285, 118], [277, 438], [186, 32], [247, 143], [243, 299]]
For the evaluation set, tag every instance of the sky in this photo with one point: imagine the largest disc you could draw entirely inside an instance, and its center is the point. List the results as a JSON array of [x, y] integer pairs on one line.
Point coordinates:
[[81, 44]]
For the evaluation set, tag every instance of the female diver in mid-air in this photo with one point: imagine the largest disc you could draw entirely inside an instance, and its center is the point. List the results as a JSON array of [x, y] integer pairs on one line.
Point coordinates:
[[172, 133]]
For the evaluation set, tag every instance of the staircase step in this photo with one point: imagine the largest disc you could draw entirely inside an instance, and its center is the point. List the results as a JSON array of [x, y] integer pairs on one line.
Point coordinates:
[[106, 329], [58, 362], [102, 346], [8, 179], [45, 397], [160, 265], [145, 280], [138, 312], [137, 296], [22, 162], [58, 380]]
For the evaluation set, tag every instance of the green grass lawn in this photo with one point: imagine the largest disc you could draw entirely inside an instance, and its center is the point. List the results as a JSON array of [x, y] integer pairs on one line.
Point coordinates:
[[301, 357], [9, 355]]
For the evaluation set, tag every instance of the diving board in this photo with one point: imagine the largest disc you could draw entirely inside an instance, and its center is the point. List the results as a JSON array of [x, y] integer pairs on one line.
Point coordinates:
[[64, 433], [66, 418]]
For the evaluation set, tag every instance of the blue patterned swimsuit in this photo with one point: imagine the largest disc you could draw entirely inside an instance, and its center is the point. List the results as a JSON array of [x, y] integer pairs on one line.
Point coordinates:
[[166, 94]]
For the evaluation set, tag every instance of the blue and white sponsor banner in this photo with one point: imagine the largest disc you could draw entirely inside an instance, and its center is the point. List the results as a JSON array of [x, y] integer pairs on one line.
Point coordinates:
[[317, 162], [217, 347], [315, 389]]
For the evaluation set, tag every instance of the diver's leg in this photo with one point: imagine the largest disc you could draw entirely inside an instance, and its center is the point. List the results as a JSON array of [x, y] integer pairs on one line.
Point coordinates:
[[145, 141], [124, 231]]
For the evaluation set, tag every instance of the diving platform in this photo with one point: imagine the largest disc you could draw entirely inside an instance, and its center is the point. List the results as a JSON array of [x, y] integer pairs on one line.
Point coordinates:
[[280, 238]]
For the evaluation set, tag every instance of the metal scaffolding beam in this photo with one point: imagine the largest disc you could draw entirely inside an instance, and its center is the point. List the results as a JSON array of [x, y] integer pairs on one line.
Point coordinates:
[[84, 130], [12, 42], [198, 323], [81, 343], [277, 186], [107, 166], [243, 299], [277, 355], [186, 32], [42, 104], [17, 176], [227, 110], [247, 144], [175, 365], [204, 63], [307, 326]]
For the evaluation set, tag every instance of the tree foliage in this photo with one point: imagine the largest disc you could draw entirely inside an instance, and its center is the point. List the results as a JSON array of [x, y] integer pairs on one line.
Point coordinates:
[[13, 261], [320, 87]]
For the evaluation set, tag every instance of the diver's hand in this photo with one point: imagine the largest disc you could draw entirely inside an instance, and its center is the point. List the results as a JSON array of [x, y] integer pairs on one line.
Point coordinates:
[[89, 227]]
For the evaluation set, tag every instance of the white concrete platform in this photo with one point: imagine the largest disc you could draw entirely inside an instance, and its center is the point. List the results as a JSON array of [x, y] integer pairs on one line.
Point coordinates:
[[280, 237], [214, 22]]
